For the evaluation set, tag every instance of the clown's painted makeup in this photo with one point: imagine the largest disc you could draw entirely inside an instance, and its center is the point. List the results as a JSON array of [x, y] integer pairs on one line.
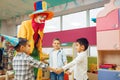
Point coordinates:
[[40, 18]]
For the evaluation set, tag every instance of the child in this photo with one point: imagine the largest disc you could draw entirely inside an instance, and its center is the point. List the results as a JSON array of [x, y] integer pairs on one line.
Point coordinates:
[[57, 59], [80, 62], [23, 64]]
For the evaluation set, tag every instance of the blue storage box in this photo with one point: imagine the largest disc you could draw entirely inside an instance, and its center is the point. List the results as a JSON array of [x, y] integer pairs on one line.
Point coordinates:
[[108, 74]]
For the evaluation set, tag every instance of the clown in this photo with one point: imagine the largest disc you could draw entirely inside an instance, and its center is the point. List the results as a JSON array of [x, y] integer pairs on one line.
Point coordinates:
[[32, 30]]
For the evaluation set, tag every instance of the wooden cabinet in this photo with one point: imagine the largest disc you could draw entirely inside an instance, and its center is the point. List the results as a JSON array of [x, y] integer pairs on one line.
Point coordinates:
[[108, 40], [108, 57], [109, 22]]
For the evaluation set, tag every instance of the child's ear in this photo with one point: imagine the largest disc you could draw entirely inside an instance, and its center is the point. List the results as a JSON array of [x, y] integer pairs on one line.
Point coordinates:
[[82, 47], [21, 47]]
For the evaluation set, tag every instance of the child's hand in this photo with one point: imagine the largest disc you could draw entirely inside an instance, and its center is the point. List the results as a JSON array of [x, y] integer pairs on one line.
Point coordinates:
[[44, 61], [49, 68], [68, 72], [59, 70], [52, 69]]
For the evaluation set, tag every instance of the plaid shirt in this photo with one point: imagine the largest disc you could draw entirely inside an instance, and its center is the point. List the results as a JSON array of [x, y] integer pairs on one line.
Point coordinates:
[[23, 65]]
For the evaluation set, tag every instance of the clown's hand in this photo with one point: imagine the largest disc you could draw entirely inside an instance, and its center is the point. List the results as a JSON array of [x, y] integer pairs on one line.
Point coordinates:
[[44, 56]]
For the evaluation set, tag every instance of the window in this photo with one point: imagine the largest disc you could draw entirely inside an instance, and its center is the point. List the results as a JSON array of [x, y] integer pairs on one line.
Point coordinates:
[[52, 25], [74, 21], [93, 14]]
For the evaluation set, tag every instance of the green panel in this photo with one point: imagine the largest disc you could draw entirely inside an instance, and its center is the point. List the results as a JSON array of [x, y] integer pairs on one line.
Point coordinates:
[[69, 59], [92, 61], [52, 3], [66, 44]]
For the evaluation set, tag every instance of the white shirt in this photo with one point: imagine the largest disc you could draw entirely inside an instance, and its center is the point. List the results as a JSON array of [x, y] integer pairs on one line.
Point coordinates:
[[80, 66], [54, 59]]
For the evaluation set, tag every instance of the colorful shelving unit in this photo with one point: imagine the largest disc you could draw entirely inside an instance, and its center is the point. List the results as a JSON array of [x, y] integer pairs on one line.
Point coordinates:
[[108, 41]]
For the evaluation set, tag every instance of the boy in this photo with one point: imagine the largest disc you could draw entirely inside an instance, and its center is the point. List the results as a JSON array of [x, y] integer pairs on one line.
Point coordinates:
[[57, 59], [80, 62], [23, 64]]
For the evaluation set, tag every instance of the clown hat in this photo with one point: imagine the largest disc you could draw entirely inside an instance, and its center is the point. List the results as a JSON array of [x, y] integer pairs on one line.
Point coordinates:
[[14, 41], [40, 7]]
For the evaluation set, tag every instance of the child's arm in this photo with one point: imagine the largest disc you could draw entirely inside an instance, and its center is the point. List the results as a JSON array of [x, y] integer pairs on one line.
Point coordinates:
[[69, 71], [64, 58], [45, 61], [65, 62], [52, 69], [78, 59], [36, 63]]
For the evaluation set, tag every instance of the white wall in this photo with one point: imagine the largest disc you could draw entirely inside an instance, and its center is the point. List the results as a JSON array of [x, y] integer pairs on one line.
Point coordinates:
[[9, 27]]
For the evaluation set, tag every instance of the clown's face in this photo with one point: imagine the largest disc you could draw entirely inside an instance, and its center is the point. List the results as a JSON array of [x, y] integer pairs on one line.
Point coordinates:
[[40, 18]]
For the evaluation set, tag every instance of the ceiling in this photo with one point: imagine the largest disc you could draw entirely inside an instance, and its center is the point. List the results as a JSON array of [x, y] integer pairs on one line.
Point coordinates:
[[16, 8]]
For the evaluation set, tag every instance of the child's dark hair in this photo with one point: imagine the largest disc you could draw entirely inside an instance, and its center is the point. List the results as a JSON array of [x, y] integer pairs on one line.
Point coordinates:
[[83, 41], [22, 41]]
